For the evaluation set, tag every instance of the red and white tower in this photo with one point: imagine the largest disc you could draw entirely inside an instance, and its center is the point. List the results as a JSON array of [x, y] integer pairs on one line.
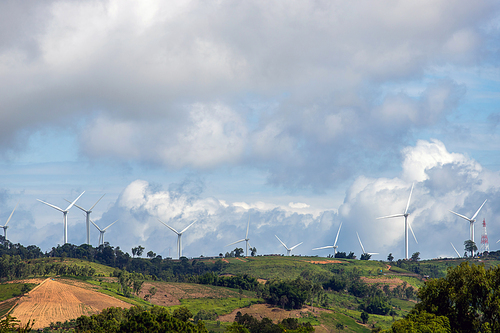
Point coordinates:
[[485, 246]]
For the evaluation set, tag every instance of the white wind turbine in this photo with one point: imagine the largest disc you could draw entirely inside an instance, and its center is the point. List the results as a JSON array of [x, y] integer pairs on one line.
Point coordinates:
[[179, 234], [87, 212], [288, 250], [102, 231], [246, 239], [334, 246], [458, 254], [471, 221], [407, 224], [65, 214], [362, 248], [5, 225]]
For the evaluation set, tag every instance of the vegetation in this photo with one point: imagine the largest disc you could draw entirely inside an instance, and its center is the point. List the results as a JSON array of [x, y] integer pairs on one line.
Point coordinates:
[[253, 325]]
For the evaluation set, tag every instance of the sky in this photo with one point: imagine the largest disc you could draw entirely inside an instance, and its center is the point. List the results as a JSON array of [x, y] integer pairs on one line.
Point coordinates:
[[297, 116]]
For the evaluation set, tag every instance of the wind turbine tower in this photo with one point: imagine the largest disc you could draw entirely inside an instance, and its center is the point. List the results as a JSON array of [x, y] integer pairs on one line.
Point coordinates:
[[288, 250], [485, 246], [87, 212], [65, 214], [5, 225], [246, 239], [407, 224], [102, 231], [471, 221], [334, 246], [179, 234]]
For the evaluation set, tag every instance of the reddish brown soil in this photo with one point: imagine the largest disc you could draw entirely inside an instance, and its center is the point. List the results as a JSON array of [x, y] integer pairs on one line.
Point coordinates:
[[54, 301], [261, 311], [326, 262]]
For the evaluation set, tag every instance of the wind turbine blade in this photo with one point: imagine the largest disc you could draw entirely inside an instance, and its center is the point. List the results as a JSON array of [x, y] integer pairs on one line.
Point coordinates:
[[479, 210], [390, 216], [408, 204], [166, 225], [71, 205], [338, 232], [75, 205], [373, 253], [59, 209], [282, 242], [412, 232], [109, 225], [11, 214], [458, 254], [248, 225], [186, 228], [324, 247], [95, 225], [362, 248], [241, 240], [293, 247], [97, 201], [460, 215]]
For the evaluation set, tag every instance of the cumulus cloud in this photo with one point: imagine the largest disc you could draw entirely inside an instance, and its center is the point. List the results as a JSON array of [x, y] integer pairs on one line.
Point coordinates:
[[292, 90]]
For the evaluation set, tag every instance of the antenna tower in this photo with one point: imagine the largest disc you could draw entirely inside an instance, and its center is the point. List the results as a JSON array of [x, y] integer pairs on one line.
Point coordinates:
[[485, 246]]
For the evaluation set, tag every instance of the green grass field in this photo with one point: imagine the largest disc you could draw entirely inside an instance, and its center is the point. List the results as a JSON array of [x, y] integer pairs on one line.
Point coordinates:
[[10, 290], [221, 306]]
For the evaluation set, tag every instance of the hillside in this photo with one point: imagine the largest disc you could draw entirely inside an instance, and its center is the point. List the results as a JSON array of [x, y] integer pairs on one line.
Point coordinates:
[[65, 298], [54, 301]]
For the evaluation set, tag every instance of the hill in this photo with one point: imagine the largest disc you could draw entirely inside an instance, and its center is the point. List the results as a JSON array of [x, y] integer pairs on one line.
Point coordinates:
[[54, 301]]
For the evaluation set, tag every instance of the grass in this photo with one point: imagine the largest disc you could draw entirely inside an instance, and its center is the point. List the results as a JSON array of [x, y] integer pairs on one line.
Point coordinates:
[[330, 319], [10, 290], [220, 306]]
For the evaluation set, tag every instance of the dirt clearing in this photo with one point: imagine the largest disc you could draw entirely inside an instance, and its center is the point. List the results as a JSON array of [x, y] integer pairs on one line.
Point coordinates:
[[261, 311], [53, 301]]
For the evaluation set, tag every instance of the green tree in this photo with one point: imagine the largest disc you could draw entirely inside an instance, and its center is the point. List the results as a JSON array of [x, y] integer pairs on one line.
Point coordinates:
[[419, 322], [182, 313], [469, 296], [253, 251], [415, 256], [364, 317], [151, 255], [238, 252], [470, 246], [390, 257], [365, 256]]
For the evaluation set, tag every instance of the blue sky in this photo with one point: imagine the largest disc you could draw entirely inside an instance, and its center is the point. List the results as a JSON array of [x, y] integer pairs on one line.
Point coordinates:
[[302, 116]]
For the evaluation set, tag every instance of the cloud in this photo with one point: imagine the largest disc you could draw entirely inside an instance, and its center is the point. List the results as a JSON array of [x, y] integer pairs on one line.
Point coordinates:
[[200, 85]]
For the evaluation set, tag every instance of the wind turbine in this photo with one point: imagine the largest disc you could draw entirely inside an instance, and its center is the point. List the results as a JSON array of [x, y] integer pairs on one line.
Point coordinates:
[[246, 239], [179, 234], [87, 212], [334, 246], [288, 250], [102, 231], [407, 224], [458, 254], [5, 226], [471, 221], [65, 214], [362, 248]]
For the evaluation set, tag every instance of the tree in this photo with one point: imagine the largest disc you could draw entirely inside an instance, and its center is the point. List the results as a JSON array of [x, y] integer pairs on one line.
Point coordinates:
[[151, 255], [470, 246], [415, 256], [137, 251], [469, 296], [364, 317], [253, 251], [417, 322], [365, 256], [238, 252], [182, 313], [351, 255], [339, 326], [390, 258]]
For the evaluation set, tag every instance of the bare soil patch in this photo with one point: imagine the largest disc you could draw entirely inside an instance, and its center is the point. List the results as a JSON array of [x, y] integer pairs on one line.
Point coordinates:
[[393, 283], [261, 311], [54, 301], [170, 293], [326, 262]]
